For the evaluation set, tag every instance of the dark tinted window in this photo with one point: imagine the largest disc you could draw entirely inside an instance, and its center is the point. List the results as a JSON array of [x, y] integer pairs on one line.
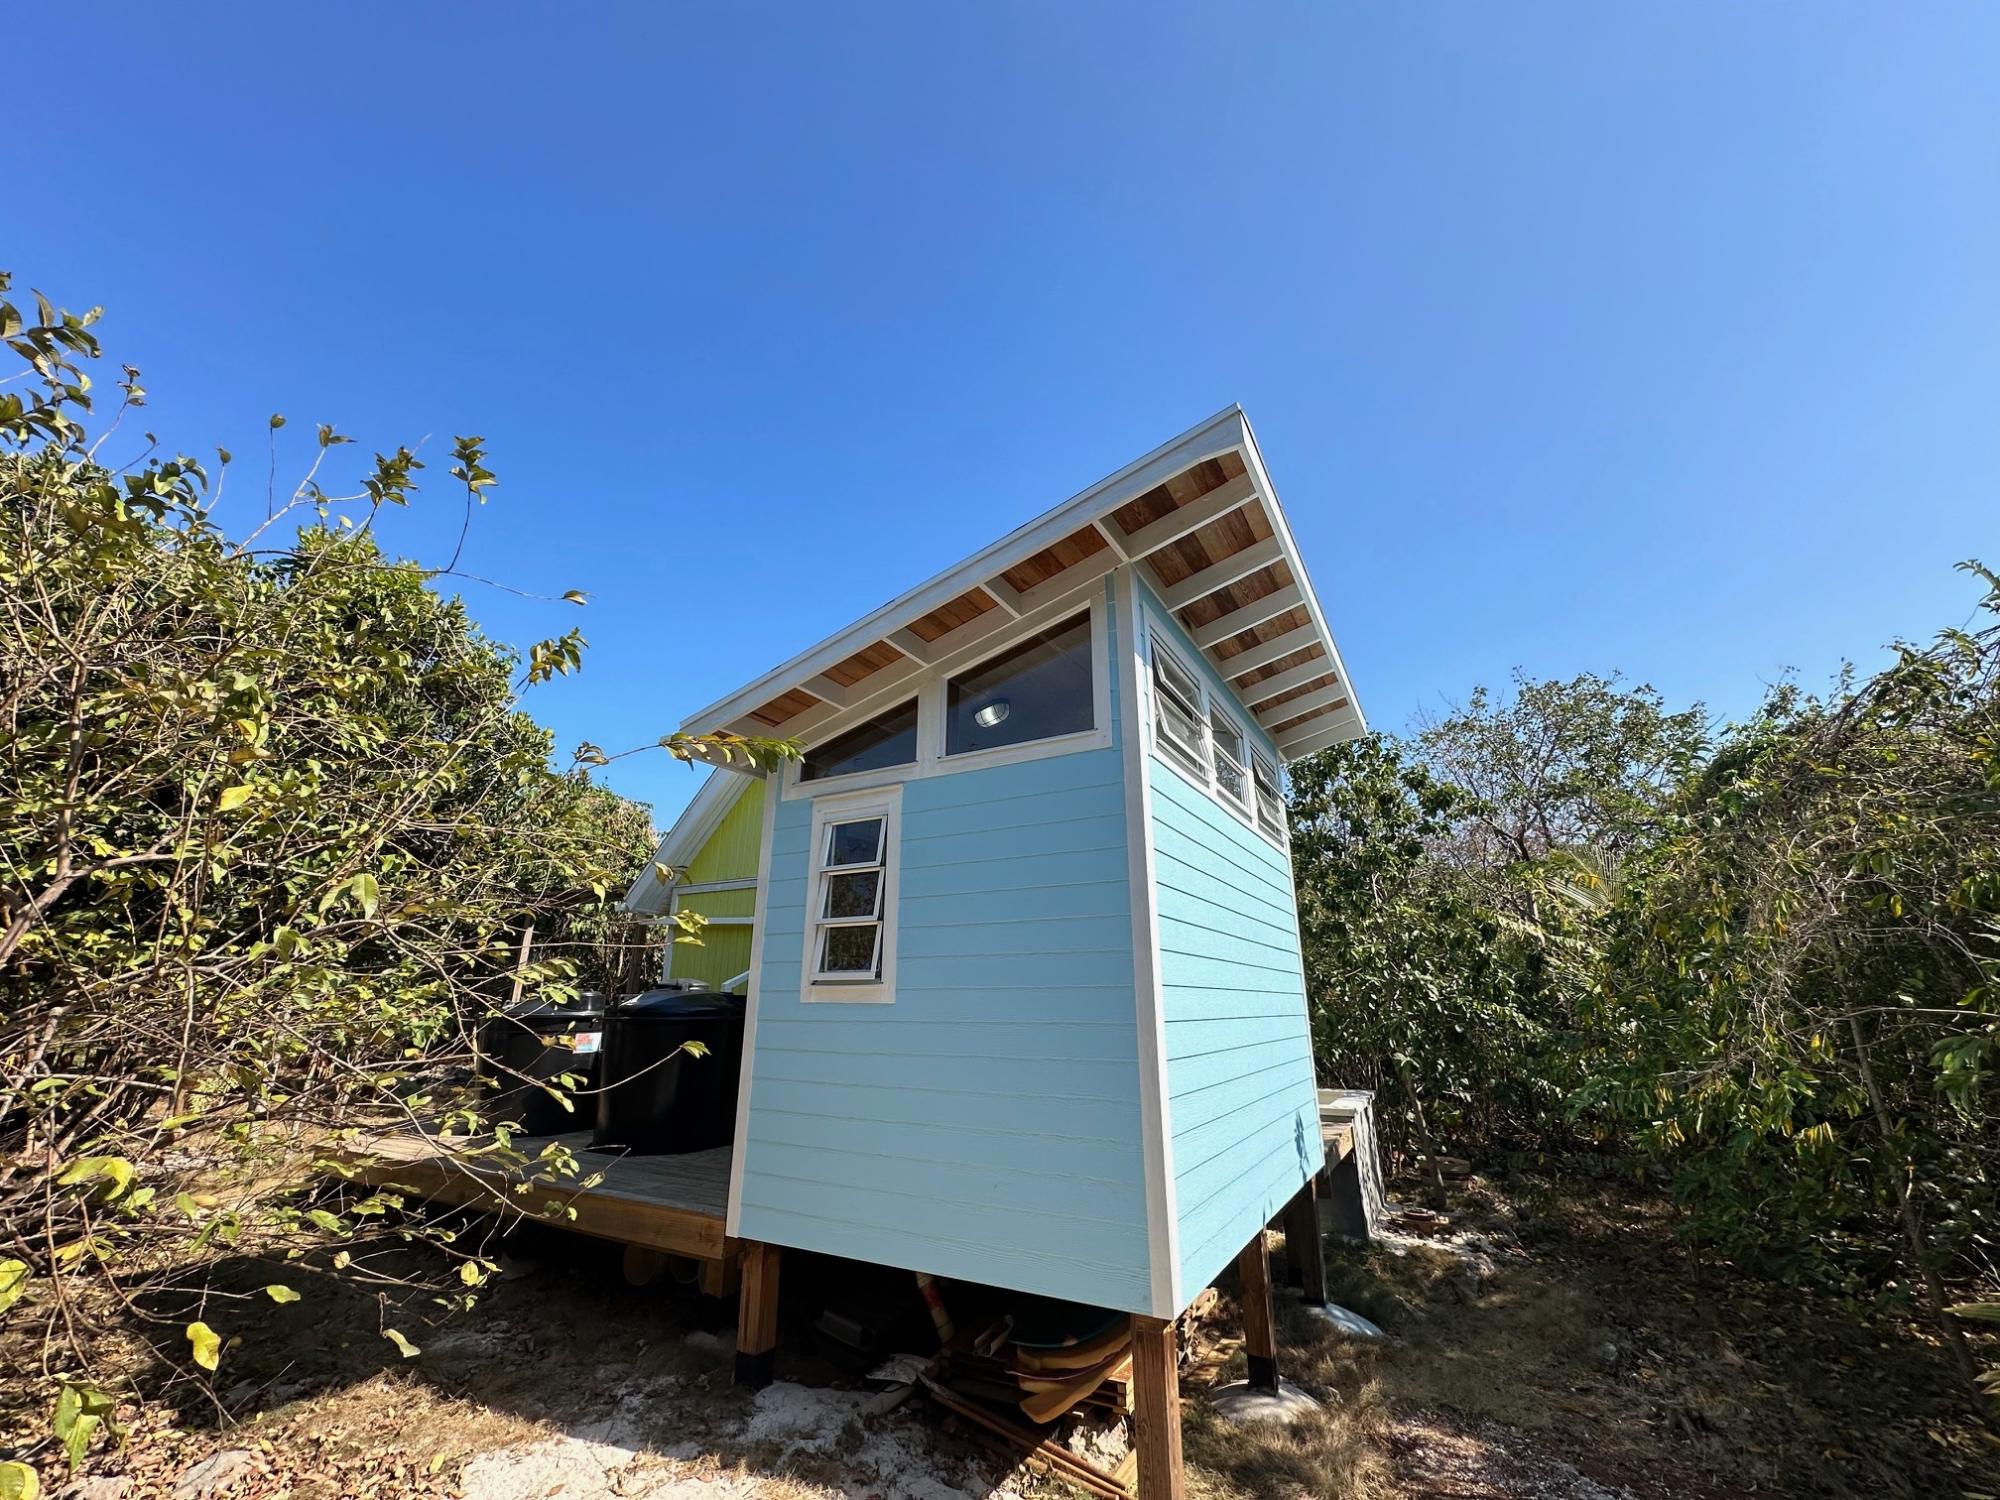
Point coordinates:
[[888, 739], [1040, 688]]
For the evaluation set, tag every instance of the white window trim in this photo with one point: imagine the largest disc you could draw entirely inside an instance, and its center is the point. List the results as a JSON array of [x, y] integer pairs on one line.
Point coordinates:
[[1199, 769], [885, 803], [930, 688], [1247, 803], [1194, 757], [1282, 835]]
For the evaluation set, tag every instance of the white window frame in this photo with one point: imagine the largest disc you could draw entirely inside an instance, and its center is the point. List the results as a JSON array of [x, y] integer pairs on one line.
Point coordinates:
[[799, 782], [1282, 834], [930, 689], [1198, 766], [1192, 757], [1245, 801], [885, 803]]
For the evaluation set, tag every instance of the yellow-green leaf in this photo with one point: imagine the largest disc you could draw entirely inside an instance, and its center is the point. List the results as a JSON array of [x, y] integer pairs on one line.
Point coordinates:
[[13, 1282], [234, 797], [206, 1343], [115, 1169], [410, 1350], [18, 1482], [469, 1272], [278, 1292]]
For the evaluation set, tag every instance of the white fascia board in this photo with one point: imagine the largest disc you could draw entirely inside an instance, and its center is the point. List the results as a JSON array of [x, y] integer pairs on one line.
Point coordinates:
[[700, 818], [1226, 430], [1317, 733], [1275, 513]]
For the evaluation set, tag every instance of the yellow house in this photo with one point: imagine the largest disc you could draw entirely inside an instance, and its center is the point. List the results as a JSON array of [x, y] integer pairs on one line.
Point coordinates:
[[711, 855]]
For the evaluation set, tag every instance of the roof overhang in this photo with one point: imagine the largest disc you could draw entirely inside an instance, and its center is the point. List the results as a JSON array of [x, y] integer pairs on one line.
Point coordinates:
[[1198, 517]]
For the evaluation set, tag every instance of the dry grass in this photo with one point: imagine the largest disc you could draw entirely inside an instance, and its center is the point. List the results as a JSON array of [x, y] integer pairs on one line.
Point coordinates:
[[1568, 1342], [1545, 1352], [1340, 1451]]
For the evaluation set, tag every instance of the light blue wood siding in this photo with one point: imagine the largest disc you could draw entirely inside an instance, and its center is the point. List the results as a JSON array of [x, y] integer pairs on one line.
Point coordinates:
[[1241, 1107], [986, 1125]]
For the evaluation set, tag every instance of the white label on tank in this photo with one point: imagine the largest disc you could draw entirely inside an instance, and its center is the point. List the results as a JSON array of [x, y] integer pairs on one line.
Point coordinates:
[[587, 1041]]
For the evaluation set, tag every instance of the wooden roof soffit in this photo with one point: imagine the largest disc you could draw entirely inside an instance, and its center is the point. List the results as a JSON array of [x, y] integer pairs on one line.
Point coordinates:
[[1203, 526]]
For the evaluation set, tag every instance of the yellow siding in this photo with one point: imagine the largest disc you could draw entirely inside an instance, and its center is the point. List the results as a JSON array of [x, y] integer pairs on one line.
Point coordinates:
[[741, 903], [731, 851], [729, 854], [723, 954]]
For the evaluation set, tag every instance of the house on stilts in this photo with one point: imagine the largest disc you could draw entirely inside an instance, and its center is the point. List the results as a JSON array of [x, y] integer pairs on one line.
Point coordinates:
[[1017, 930]]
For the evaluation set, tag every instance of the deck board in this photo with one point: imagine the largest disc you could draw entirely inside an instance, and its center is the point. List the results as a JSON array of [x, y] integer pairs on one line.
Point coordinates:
[[673, 1203]]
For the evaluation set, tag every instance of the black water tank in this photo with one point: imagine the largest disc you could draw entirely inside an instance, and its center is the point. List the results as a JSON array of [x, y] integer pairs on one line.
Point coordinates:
[[523, 1044], [660, 1099]]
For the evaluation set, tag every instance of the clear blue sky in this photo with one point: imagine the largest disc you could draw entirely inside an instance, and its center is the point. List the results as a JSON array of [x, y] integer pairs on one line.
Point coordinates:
[[1655, 337]]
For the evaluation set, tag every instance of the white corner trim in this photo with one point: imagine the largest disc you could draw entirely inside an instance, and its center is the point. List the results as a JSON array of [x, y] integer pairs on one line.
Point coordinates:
[[740, 1142], [1155, 1110], [885, 802]]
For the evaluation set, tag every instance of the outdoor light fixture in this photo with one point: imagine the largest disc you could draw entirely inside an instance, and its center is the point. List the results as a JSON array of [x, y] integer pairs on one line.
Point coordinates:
[[993, 713]]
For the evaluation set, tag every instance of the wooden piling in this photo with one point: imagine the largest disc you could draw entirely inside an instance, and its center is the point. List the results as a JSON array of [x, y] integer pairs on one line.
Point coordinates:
[[757, 1315], [1304, 1251], [1260, 1336], [1156, 1409]]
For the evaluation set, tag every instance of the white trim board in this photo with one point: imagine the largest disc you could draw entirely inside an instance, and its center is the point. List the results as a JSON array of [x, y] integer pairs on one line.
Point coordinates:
[[1155, 1126], [740, 1141]]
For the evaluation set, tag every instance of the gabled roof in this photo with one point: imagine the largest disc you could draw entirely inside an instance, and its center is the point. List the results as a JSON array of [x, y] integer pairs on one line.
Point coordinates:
[[1199, 517], [698, 820]]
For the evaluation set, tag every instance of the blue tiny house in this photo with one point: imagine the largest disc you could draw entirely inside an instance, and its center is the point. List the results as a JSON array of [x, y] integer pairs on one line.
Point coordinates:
[[1026, 1005]]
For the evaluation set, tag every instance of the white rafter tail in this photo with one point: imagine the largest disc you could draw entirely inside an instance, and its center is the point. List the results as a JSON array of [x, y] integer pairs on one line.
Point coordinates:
[[1113, 538], [827, 690], [1326, 698], [1275, 649], [1250, 616], [1306, 739], [976, 629], [1197, 513], [1284, 682], [1076, 576], [1004, 594], [913, 646], [1232, 569]]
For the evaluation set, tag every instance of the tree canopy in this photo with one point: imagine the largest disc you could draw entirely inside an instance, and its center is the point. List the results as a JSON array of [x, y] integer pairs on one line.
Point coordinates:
[[273, 824]]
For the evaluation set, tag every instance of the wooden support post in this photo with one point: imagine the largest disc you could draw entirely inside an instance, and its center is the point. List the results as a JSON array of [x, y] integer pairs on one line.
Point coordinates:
[[1156, 1409], [1303, 1249], [1260, 1334], [757, 1315], [721, 1275]]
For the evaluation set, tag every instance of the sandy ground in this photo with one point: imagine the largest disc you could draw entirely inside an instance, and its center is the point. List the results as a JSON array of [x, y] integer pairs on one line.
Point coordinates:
[[889, 1458], [1537, 1351]]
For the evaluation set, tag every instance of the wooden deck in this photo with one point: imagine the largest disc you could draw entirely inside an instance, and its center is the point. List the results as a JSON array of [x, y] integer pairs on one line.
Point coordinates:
[[672, 1204]]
